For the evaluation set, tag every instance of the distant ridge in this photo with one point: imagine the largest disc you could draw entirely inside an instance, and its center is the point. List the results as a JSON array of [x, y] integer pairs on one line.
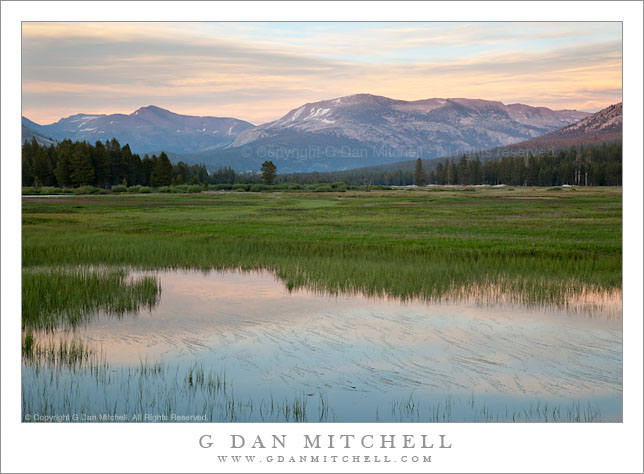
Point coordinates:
[[365, 130], [28, 134], [342, 133], [148, 129], [603, 126]]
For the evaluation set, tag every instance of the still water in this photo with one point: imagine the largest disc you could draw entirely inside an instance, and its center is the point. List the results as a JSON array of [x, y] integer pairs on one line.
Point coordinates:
[[346, 358]]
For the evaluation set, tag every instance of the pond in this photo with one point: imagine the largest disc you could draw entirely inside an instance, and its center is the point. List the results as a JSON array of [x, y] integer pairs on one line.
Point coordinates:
[[239, 346]]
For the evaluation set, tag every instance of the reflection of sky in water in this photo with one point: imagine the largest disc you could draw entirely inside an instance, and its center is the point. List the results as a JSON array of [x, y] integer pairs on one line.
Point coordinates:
[[363, 351]]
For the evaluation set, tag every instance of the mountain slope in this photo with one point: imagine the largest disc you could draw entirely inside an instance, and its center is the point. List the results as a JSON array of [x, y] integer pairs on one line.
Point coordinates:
[[603, 126], [148, 129], [28, 134], [363, 129], [343, 133], [434, 124]]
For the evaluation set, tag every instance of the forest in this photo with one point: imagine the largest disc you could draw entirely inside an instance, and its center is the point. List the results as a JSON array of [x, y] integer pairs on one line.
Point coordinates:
[[599, 165], [104, 165]]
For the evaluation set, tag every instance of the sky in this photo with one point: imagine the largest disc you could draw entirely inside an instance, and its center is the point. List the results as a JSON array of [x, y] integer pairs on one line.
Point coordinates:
[[260, 71]]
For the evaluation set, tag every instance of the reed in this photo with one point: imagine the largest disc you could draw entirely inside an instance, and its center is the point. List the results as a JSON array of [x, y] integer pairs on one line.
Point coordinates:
[[530, 246], [42, 350], [198, 390], [67, 297]]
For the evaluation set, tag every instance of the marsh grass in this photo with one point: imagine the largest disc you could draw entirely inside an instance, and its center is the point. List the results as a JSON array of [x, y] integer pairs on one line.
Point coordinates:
[[67, 297], [57, 386], [454, 409], [528, 245], [532, 247], [572, 297], [43, 350]]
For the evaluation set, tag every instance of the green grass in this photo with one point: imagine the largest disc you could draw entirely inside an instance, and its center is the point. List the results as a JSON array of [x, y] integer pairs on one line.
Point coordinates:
[[69, 296], [529, 245], [59, 352]]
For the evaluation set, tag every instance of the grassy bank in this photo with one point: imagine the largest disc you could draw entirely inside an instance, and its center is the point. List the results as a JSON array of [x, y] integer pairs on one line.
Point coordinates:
[[67, 297], [534, 245]]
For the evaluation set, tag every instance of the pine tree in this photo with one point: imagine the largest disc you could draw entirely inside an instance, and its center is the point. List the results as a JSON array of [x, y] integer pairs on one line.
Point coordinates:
[[117, 173], [82, 173], [463, 171], [268, 172], [475, 170], [162, 172], [101, 164], [41, 167], [128, 164], [419, 173], [63, 169], [28, 150], [147, 165], [453, 173], [440, 174]]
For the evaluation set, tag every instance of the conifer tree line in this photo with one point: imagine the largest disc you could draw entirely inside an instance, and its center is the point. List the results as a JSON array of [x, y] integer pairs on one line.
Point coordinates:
[[599, 165], [578, 166], [73, 164]]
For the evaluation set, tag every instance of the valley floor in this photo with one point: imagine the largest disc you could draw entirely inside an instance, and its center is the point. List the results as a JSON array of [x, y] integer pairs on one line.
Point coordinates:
[[536, 245], [432, 304]]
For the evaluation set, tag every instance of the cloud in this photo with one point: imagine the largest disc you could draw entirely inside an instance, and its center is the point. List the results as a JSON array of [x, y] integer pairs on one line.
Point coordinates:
[[259, 71]]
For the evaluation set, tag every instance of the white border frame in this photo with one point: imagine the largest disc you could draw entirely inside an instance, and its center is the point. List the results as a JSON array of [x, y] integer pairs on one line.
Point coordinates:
[[614, 447]]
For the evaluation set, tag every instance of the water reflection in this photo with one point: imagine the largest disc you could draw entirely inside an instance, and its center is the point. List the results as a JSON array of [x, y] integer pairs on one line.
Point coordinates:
[[365, 353]]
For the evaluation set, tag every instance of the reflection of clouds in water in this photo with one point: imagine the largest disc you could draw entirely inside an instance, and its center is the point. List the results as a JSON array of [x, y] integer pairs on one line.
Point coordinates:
[[264, 335]]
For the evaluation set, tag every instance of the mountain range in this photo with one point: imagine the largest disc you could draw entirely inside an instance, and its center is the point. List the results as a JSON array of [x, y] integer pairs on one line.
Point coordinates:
[[343, 133], [147, 130], [435, 124], [604, 126]]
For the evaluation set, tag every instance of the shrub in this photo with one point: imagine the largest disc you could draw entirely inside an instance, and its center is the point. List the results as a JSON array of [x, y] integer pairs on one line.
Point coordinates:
[[195, 188], [256, 188], [222, 187], [134, 189], [322, 188], [50, 190], [165, 189], [339, 186], [145, 189], [287, 187], [86, 190], [119, 188], [180, 188], [241, 187]]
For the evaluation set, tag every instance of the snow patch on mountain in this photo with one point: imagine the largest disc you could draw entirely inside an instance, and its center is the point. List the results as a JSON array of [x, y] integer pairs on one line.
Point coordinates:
[[433, 124]]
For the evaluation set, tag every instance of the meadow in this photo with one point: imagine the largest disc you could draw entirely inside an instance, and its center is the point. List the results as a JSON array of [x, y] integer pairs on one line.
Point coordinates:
[[534, 246], [538, 247]]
